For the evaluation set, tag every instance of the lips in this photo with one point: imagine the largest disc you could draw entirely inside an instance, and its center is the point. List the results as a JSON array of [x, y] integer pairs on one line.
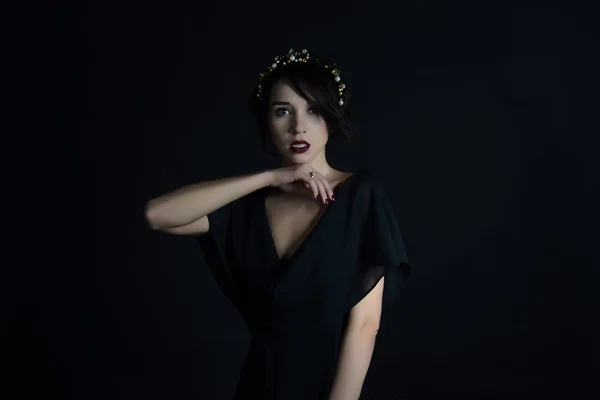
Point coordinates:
[[299, 146]]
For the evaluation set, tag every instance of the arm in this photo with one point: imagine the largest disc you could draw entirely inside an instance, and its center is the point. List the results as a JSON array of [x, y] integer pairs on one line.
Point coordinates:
[[183, 211], [357, 346]]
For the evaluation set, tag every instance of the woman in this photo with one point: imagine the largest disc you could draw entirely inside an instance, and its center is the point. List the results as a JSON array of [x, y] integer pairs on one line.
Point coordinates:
[[307, 253]]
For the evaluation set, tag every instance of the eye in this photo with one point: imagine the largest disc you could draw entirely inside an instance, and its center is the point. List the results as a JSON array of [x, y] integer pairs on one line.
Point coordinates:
[[313, 110], [281, 111]]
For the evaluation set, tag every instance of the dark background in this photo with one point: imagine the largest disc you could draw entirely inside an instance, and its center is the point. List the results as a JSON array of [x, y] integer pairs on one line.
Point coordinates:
[[472, 113]]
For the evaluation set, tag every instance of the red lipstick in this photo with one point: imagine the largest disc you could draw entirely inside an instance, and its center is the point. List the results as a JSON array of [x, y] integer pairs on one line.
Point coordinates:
[[299, 146]]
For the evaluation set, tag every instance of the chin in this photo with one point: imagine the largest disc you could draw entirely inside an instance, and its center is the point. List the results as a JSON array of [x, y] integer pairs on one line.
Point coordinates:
[[296, 160], [301, 158]]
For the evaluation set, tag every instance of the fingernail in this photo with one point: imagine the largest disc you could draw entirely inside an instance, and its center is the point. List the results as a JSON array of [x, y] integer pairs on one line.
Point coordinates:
[[316, 197], [333, 197]]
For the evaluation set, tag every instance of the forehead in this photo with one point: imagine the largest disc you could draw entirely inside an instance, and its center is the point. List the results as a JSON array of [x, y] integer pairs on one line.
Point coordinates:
[[284, 91]]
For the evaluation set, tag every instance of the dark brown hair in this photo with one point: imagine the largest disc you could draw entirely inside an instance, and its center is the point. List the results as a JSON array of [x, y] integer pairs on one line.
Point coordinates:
[[317, 86]]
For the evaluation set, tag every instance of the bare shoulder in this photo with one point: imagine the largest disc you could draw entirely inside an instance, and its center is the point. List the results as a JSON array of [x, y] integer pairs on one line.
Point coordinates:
[[339, 178]]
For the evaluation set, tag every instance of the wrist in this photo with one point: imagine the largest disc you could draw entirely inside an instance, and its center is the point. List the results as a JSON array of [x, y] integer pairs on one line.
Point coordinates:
[[266, 177]]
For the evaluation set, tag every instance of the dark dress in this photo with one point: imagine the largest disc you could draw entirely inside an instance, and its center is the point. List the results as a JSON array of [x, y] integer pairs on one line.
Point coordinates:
[[296, 308]]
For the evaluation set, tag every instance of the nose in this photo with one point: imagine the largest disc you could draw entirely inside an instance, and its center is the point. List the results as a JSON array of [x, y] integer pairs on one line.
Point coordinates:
[[298, 126], [299, 131]]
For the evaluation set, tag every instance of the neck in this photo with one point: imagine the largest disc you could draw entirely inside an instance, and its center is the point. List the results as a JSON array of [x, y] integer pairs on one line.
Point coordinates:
[[319, 163]]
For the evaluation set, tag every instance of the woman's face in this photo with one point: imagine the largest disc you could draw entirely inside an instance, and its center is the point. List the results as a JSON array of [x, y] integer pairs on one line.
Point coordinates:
[[299, 132]]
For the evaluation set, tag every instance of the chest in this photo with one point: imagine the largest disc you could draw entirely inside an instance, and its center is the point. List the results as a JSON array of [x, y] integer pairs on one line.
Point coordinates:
[[291, 220]]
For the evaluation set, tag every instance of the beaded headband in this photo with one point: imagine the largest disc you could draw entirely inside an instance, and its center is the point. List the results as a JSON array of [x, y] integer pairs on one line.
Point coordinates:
[[303, 56]]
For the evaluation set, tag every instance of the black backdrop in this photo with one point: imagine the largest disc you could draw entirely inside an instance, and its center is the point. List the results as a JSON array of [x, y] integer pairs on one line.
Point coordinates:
[[470, 114]]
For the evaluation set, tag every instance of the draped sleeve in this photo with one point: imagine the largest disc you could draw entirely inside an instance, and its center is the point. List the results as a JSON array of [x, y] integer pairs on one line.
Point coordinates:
[[215, 245], [382, 251]]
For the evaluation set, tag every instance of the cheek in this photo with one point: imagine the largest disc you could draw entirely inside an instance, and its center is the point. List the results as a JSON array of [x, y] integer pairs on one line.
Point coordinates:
[[277, 128], [318, 121], [319, 125], [276, 123]]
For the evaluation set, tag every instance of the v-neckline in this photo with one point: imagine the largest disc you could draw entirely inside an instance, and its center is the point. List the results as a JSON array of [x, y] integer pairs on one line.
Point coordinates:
[[281, 260]]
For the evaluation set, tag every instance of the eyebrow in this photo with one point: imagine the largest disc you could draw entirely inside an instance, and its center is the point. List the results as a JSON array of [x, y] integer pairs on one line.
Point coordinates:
[[280, 103]]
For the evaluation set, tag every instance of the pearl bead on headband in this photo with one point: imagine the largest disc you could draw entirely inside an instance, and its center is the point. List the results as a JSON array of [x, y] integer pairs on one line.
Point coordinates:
[[303, 57]]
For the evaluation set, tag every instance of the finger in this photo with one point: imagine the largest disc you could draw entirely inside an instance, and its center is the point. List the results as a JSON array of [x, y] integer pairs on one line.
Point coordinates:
[[313, 187], [322, 190], [328, 189]]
